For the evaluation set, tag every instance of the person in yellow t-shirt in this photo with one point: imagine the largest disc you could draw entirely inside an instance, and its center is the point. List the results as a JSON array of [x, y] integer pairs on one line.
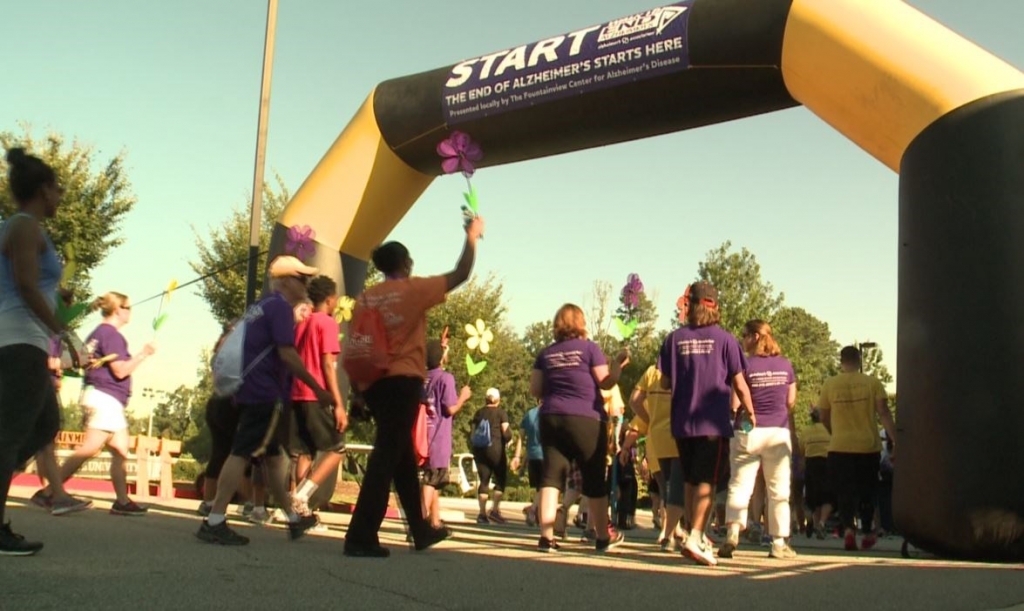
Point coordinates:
[[814, 442], [650, 399], [849, 404]]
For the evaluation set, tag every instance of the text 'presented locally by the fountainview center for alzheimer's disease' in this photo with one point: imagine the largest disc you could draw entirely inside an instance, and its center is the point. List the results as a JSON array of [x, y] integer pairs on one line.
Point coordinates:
[[640, 46]]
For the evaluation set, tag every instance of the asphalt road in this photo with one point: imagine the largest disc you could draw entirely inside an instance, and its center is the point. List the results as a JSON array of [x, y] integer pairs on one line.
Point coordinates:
[[94, 560]]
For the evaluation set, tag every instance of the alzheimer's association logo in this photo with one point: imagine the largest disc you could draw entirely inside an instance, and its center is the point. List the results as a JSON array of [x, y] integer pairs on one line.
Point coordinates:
[[656, 19]]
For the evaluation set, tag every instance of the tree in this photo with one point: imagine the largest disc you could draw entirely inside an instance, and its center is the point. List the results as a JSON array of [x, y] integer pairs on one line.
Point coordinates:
[[509, 364], [871, 361], [807, 342], [97, 196], [225, 252], [537, 337], [742, 294]]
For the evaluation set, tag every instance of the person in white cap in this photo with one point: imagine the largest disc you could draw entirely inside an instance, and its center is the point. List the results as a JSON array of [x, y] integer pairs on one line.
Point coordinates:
[[268, 355], [490, 435]]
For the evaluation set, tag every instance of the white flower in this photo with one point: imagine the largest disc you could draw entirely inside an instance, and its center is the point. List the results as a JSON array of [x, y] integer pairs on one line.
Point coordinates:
[[479, 336]]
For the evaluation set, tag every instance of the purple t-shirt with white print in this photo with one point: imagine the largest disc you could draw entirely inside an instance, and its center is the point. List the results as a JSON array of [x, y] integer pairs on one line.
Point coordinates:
[[569, 385], [440, 396], [270, 324], [701, 362], [769, 378], [108, 341]]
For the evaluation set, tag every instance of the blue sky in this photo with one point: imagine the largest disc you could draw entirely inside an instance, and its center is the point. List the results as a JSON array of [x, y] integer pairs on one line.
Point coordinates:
[[176, 86]]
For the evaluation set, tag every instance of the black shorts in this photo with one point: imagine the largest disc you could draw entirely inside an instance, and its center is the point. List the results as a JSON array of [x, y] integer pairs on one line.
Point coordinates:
[[535, 471], [488, 467], [312, 429], [574, 438], [703, 458], [435, 478], [854, 475], [29, 412], [816, 479], [222, 420], [259, 430]]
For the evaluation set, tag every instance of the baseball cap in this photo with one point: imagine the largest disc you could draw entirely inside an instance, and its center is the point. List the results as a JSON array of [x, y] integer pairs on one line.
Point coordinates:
[[288, 266], [703, 291], [492, 393]]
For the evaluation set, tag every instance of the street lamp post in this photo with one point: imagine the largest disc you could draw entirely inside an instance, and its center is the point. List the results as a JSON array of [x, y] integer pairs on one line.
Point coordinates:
[[154, 395], [261, 145], [860, 348]]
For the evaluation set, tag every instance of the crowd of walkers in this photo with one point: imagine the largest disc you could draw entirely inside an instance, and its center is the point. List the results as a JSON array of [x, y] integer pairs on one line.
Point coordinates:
[[715, 413]]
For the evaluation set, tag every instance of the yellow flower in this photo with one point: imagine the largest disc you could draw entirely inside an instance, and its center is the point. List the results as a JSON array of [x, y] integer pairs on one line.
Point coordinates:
[[343, 313], [479, 336]]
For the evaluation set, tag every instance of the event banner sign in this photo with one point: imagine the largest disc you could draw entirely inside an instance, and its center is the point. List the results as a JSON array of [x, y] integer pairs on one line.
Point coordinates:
[[641, 46]]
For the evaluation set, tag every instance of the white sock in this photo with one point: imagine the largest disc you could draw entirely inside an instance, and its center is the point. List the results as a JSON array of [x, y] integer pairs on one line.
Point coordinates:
[[215, 519], [696, 535], [305, 490], [778, 541], [734, 532]]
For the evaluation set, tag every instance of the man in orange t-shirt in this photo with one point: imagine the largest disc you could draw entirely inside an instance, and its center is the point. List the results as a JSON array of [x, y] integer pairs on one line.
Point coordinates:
[[393, 400]]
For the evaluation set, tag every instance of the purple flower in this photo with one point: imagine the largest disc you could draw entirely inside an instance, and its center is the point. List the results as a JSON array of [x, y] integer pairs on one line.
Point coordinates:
[[300, 242], [459, 152], [631, 292]]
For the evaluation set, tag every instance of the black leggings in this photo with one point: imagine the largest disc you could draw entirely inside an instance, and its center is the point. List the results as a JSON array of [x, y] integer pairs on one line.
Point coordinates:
[[854, 479], [29, 412], [574, 438], [394, 403], [488, 467]]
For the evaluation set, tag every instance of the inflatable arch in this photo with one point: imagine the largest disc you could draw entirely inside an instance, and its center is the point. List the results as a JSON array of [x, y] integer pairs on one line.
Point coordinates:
[[942, 112]]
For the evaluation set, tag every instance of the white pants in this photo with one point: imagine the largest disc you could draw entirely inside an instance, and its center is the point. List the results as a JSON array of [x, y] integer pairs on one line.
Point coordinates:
[[770, 448], [102, 411]]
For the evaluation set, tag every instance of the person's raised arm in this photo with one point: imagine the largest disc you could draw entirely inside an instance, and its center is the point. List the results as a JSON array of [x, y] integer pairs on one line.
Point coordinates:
[[607, 376], [464, 395], [24, 241], [123, 369], [464, 267]]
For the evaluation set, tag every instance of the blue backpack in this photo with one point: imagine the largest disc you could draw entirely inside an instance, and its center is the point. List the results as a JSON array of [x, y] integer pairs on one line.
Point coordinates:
[[481, 434]]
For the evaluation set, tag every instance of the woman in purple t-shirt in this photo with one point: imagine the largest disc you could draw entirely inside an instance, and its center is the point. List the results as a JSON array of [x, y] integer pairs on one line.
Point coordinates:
[[107, 386], [568, 377], [767, 445]]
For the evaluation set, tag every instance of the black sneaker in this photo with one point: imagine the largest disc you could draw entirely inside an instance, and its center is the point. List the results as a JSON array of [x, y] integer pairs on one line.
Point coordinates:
[[432, 537], [12, 544], [220, 534], [615, 538], [359, 550], [547, 545], [301, 526], [131, 508]]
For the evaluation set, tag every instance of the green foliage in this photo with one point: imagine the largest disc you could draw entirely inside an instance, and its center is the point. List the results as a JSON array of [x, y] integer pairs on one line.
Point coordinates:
[[227, 248], [508, 362], [807, 342], [96, 199], [742, 294]]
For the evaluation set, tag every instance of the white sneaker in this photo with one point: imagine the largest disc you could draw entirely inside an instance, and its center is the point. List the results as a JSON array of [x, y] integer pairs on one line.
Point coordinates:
[[700, 551], [782, 552], [259, 516]]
